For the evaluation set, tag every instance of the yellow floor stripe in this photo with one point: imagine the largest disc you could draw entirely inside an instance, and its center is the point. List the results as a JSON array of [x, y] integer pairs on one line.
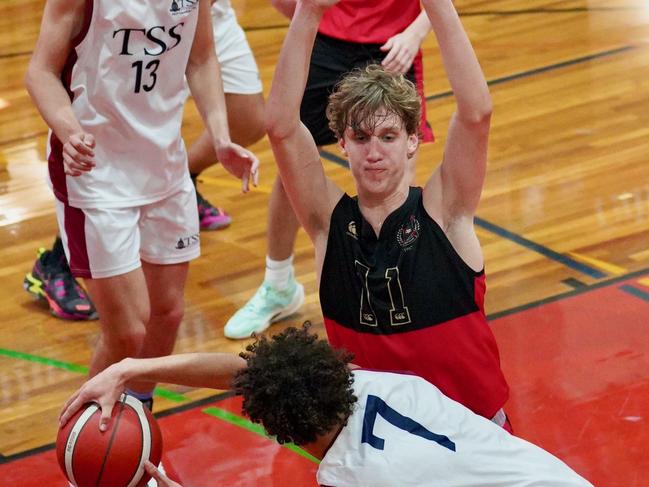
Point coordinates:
[[644, 282], [600, 264]]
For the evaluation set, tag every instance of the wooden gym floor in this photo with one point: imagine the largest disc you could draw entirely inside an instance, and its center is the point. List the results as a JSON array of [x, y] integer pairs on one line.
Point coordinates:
[[564, 223]]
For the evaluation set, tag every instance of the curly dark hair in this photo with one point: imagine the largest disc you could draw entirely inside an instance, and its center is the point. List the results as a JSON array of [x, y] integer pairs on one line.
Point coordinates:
[[295, 385]]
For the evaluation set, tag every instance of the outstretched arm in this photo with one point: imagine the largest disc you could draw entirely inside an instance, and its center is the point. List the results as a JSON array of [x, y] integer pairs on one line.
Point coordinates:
[[465, 153], [204, 79], [452, 193], [211, 370], [312, 195]]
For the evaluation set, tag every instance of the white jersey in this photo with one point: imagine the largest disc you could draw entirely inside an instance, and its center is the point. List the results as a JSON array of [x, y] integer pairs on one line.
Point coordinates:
[[125, 77], [405, 432]]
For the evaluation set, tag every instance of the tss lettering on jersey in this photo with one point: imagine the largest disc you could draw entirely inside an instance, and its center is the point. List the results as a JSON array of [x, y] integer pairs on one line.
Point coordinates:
[[153, 41]]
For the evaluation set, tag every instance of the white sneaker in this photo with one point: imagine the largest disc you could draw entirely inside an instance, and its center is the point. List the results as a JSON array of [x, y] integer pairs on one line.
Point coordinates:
[[267, 306]]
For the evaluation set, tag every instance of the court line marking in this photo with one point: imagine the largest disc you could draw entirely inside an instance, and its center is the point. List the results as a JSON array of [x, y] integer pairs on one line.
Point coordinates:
[[545, 69], [634, 291], [80, 369], [613, 269], [242, 422], [540, 249], [575, 292]]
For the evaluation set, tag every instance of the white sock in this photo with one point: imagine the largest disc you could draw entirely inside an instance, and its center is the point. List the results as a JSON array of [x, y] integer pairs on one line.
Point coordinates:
[[279, 272]]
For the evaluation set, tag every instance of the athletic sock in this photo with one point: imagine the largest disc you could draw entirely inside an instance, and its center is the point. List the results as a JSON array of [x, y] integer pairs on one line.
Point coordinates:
[[145, 398], [279, 272]]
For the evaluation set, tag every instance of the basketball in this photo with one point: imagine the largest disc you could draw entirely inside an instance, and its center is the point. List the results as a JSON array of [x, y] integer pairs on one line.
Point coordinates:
[[112, 458]]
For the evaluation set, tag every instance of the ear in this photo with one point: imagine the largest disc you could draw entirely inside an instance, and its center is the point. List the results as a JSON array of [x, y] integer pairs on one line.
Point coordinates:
[[341, 144], [413, 144]]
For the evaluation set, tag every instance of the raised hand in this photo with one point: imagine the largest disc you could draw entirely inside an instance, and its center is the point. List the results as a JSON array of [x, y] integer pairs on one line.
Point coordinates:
[[79, 154]]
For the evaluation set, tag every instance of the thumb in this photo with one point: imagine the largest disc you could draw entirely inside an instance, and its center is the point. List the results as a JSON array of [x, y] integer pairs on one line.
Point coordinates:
[[104, 421], [388, 45]]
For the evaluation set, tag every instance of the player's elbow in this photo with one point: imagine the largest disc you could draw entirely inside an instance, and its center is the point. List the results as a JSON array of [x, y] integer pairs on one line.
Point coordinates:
[[277, 125], [479, 114], [31, 79]]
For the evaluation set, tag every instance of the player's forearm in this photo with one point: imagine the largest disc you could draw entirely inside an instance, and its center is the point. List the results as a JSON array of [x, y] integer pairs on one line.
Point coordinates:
[[210, 370], [53, 102], [204, 81], [461, 64], [283, 106]]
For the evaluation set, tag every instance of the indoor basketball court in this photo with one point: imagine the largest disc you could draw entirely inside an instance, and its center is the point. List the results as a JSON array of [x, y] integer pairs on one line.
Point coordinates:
[[563, 222]]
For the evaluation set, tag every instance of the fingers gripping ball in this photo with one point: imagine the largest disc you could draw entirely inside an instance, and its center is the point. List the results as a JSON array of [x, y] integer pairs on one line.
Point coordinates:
[[111, 458]]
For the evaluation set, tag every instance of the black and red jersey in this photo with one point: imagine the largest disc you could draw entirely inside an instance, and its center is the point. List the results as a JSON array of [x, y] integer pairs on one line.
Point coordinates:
[[406, 301]]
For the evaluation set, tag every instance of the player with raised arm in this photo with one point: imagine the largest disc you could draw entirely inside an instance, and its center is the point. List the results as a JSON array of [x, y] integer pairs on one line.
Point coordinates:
[[400, 268]]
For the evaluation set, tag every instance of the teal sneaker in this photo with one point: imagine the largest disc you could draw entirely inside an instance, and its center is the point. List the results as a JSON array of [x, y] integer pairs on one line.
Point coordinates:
[[267, 306]]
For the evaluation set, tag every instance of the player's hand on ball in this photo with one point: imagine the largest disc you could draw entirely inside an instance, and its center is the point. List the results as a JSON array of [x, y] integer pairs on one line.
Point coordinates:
[[239, 162], [104, 389], [162, 479], [79, 154]]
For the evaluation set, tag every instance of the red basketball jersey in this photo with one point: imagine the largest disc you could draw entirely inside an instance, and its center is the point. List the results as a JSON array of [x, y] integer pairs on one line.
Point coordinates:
[[368, 21]]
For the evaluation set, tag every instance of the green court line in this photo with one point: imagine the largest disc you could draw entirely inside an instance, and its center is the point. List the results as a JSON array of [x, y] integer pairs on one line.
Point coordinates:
[[254, 428], [80, 369]]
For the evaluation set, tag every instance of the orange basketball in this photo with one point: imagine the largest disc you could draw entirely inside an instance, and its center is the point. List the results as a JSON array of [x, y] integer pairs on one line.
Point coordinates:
[[112, 458]]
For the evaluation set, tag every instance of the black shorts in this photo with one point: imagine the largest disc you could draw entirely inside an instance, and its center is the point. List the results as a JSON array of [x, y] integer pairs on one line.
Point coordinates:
[[330, 61]]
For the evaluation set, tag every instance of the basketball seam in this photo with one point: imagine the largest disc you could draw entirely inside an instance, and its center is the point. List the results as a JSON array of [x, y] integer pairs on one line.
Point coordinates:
[[110, 444], [76, 429], [138, 407]]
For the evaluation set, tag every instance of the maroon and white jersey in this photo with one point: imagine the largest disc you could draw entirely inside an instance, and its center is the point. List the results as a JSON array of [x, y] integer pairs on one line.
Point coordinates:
[[406, 301], [125, 78]]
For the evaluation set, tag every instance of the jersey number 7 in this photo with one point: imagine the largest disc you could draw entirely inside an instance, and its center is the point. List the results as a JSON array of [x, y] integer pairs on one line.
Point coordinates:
[[375, 405]]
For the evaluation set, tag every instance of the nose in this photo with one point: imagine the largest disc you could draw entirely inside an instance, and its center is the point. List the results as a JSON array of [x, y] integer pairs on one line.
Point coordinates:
[[374, 150]]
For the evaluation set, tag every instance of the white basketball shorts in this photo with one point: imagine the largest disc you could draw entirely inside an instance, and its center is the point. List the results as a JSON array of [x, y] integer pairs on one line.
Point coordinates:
[[238, 67], [106, 242]]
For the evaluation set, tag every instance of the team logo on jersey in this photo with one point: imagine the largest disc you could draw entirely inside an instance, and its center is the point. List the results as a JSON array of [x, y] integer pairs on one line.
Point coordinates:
[[351, 229], [186, 242], [182, 6], [408, 233]]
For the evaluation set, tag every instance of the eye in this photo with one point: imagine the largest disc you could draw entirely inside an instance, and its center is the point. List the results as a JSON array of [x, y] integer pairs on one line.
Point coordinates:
[[389, 137]]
